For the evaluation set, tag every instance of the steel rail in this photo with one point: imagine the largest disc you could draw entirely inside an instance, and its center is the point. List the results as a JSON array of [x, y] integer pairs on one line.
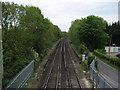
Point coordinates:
[[59, 69], [48, 78], [48, 62], [54, 69], [67, 71], [78, 80]]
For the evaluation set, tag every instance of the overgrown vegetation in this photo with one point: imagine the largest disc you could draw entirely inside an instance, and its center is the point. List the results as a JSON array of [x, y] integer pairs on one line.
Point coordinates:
[[88, 34], [112, 61], [90, 59], [25, 31], [64, 33], [85, 65]]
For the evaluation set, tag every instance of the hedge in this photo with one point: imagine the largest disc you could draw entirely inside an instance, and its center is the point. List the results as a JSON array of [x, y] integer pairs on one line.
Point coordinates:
[[112, 60]]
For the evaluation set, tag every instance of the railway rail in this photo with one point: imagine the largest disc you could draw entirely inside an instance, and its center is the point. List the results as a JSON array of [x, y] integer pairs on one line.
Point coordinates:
[[59, 70]]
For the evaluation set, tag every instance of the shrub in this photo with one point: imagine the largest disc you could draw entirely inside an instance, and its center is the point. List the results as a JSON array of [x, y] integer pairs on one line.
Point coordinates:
[[85, 65], [96, 64], [90, 59], [112, 60]]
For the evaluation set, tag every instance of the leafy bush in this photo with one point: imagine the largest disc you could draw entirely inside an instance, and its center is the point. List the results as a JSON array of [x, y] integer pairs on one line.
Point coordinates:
[[85, 65], [96, 64], [90, 59], [112, 60], [102, 51]]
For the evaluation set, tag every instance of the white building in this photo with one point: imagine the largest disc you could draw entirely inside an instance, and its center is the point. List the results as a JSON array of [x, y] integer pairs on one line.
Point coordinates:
[[112, 49]]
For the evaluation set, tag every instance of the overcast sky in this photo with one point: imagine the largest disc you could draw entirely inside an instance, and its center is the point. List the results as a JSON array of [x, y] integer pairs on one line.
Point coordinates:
[[62, 12]]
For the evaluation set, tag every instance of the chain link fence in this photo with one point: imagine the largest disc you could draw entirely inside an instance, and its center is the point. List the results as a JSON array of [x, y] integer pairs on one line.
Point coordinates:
[[98, 80], [22, 77]]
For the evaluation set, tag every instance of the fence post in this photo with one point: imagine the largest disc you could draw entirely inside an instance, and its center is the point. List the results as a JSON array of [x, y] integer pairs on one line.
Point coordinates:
[[104, 82], [93, 75], [96, 79]]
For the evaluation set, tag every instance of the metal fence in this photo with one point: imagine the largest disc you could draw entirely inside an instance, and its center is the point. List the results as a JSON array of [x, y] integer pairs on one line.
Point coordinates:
[[22, 77], [98, 80]]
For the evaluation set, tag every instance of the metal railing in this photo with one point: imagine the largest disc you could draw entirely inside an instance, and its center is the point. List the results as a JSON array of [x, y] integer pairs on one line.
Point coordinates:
[[98, 80], [22, 77]]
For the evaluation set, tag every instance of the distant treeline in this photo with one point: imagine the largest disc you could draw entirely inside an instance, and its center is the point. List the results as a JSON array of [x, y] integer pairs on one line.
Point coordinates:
[[25, 30], [114, 32]]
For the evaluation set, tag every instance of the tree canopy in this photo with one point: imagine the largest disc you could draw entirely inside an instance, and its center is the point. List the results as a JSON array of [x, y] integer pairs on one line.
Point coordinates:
[[24, 29], [90, 32], [114, 32]]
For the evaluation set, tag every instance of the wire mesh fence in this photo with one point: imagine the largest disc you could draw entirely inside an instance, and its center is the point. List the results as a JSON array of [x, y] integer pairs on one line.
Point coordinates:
[[98, 80], [22, 77]]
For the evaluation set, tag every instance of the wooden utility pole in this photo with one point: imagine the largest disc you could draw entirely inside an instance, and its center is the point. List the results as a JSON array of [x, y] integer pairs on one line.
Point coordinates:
[[110, 44], [1, 49]]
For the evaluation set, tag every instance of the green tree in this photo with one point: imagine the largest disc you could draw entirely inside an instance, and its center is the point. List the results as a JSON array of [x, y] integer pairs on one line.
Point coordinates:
[[64, 34], [91, 32], [73, 33], [24, 29], [114, 32]]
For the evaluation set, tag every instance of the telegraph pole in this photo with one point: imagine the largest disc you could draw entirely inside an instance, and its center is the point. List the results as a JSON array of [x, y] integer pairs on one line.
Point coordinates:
[[1, 48], [110, 43]]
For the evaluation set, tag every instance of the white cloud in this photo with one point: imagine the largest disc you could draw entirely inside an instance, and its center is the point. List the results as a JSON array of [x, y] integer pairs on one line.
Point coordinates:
[[62, 12]]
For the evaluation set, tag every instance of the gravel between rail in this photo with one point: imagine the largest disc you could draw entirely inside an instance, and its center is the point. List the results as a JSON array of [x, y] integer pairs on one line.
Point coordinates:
[[62, 69]]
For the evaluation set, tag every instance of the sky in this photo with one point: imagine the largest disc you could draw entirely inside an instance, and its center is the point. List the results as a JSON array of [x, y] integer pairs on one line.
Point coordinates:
[[119, 12], [63, 12]]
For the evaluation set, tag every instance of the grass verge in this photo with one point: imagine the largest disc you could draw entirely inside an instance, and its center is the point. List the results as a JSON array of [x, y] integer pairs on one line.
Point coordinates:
[[31, 80], [112, 65]]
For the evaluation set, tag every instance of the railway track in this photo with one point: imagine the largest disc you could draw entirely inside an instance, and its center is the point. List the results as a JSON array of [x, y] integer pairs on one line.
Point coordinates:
[[59, 71]]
